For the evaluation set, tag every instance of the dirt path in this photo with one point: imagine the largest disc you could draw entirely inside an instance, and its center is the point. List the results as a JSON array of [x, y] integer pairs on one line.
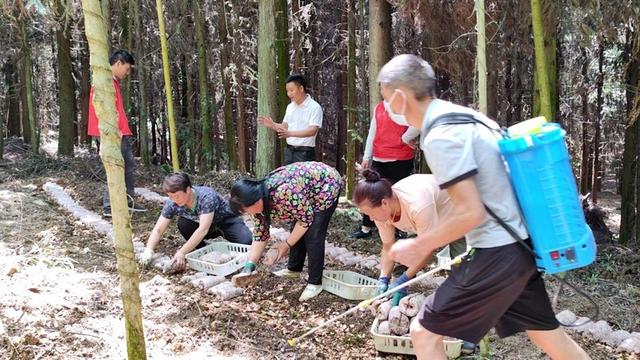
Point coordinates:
[[60, 297]]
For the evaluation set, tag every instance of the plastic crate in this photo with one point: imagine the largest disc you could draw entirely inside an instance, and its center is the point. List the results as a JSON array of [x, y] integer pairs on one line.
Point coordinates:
[[193, 258], [349, 285], [403, 345]]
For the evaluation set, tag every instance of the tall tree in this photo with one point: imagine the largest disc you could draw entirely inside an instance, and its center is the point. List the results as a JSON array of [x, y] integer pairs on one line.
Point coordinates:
[[267, 85], [481, 56], [544, 38], [282, 52], [240, 97], [630, 204], [225, 59], [27, 68], [104, 98], [13, 99], [296, 39], [105, 7], [167, 87], [143, 124], [597, 171], [585, 168], [352, 103], [380, 45], [85, 86], [66, 84], [206, 151]]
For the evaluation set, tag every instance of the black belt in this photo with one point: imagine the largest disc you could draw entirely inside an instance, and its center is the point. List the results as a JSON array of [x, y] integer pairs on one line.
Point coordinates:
[[300, 148]]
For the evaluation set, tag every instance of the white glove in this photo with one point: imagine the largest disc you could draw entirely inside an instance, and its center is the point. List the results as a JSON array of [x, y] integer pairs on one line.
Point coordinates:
[[146, 256]]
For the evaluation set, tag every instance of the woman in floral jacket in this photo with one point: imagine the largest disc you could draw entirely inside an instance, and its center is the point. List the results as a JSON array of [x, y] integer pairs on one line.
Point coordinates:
[[305, 193]]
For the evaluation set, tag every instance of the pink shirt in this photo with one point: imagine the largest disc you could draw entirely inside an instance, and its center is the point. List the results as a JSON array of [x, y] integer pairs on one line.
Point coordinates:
[[422, 204]]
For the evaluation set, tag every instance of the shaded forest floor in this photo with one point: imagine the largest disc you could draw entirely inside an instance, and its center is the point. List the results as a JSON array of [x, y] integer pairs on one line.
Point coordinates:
[[60, 297]]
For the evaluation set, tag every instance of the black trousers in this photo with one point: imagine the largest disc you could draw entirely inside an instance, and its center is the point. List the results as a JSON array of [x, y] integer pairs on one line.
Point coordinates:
[[312, 244], [129, 168], [299, 153], [233, 229], [393, 171]]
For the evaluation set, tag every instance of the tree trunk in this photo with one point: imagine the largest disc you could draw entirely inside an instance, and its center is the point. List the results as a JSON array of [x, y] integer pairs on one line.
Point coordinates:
[[543, 66], [191, 115], [105, 7], [66, 85], [267, 85], [380, 45], [481, 56], [363, 113], [296, 38], [352, 104], [230, 136], [24, 108], [27, 68], [128, 30], [597, 171], [206, 152], [243, 160], [143, 125], [167, 88], [13, 99], [282, 52], [585, 184], [104, 98], [85, 88], [630, 204]]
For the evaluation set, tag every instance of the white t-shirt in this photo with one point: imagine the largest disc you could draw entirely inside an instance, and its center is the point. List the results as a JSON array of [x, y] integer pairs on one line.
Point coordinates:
[[460, 151], [300, 117]]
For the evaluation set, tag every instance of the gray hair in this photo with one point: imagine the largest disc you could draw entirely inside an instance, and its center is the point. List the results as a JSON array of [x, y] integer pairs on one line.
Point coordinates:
[[409, 71]]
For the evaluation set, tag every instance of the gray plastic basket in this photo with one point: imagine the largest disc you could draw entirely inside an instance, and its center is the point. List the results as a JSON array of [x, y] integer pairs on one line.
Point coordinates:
[[349, 285], [193, 258], [403, 345]]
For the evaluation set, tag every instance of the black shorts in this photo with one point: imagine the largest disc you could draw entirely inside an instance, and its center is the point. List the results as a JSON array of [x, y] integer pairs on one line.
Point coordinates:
[[495, 287]]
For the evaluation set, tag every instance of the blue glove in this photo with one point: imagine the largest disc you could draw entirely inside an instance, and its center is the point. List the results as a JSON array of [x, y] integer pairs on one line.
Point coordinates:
[[402, 292], [249, 267], [383, 284]]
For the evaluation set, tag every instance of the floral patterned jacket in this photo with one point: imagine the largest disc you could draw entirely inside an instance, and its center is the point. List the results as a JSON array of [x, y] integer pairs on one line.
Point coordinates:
[[298, 191]]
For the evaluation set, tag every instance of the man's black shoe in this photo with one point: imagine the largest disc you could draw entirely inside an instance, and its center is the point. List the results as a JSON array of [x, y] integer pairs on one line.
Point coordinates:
[[133, 207]]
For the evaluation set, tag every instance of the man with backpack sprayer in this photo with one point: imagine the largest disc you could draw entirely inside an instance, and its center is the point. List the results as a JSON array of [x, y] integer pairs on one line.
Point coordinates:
[[498, 285]]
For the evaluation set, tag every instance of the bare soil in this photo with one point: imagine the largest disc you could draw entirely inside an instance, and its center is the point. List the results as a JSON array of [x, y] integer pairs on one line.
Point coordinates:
[[60, 297]]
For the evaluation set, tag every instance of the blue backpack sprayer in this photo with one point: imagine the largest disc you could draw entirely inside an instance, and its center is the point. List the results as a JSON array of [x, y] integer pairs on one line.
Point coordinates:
[[541, 175]]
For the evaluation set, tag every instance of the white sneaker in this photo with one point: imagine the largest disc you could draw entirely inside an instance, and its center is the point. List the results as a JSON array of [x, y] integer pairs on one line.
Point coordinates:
[[287, 273], [310, 291]]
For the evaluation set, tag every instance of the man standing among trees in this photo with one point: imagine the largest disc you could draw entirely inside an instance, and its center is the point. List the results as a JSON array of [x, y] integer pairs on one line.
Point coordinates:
[[121, 62], [301, 122], [498, 284]]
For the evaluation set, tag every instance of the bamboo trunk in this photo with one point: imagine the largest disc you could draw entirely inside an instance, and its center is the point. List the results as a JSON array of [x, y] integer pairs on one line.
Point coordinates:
[[167, 87], [111, 155]]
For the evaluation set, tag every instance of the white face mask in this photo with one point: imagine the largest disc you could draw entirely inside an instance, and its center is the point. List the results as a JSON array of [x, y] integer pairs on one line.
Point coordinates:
[[400, 119]]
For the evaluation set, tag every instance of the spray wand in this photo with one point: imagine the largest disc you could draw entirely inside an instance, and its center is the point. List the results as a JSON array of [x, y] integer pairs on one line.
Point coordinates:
[[366, 303]]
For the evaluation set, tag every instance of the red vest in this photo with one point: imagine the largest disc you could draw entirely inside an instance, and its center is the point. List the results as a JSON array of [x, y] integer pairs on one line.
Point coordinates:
[[387, 144], [123, 123]]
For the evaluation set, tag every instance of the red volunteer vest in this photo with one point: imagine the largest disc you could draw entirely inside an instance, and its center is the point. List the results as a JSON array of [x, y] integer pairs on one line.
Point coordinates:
[[387, 143], [123, 123]]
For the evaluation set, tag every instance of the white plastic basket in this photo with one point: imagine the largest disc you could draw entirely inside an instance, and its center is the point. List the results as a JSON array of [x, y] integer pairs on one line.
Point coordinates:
[[349, 285], [193, 258], [403, 345]]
